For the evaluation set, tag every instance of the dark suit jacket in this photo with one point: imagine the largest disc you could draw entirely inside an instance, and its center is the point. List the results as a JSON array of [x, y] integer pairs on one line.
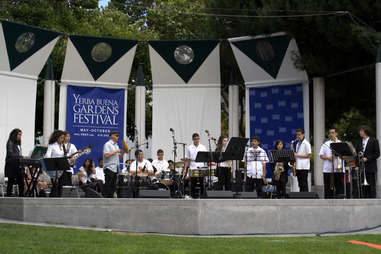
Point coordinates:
[[12, 160], [372, 152]]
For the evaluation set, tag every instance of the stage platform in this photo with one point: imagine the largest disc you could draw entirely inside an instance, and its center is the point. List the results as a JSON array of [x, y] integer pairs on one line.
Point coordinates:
[[199, 217]]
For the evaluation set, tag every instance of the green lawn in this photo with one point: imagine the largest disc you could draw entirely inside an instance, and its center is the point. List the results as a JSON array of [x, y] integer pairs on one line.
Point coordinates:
[[44, 240]]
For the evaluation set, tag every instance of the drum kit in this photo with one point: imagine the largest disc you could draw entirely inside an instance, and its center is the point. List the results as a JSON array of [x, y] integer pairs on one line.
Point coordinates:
[[129, 184]]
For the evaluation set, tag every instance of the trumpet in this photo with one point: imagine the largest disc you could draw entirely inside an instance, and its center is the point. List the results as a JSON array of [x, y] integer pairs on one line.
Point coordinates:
[[293, 165]]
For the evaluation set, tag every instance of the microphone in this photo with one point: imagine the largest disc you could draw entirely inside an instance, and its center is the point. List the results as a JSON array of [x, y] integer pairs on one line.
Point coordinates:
[[171, 130], [207, 132]]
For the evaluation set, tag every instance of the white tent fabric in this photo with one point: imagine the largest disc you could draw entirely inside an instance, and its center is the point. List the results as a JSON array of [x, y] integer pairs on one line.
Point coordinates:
[[186, 107], [18, 90]]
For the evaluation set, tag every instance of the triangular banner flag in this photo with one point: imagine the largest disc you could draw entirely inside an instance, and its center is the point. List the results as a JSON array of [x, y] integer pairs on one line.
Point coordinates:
[[267, 52], [185, 57], [23, 41], [99, 53]]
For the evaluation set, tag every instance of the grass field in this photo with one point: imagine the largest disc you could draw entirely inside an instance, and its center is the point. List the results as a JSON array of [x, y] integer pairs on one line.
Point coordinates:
[[42, 240]]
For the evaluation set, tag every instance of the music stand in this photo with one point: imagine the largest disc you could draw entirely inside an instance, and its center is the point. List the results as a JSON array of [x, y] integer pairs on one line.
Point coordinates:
[[235, 151], [55, 164], [341, 150], [282, 155]]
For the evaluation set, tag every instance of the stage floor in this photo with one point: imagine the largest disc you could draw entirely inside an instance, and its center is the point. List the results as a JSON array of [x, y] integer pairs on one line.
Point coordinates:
[[199, 216]]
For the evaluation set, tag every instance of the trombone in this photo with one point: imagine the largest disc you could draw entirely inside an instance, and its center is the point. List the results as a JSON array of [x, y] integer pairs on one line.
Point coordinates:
[[362, 165]]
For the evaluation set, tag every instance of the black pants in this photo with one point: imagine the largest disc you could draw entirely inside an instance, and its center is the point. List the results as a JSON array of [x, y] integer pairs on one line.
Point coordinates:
[[197, 189], [369, 191], [224, 178], [65, 179], [19, 180], [338, 183], [302, 175], [257, 183], [110, 183], [281, 185]]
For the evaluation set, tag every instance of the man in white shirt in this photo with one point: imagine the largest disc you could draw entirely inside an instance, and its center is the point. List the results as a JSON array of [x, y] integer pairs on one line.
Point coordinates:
[[99, 174], [111, 158], [333, 184], [191, 164], [160, 164], [142, 165], [302, 155], [256, 159]]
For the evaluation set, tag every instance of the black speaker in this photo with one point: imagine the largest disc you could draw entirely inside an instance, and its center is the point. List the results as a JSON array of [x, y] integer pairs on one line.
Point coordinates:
[[91, 193], [303, 195], [219, 194], [154, 194], [125, 192], [246, 195]]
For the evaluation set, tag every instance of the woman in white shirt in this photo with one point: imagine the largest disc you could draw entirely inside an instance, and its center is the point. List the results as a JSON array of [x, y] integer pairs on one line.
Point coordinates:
[[87, 178], [56, 150]]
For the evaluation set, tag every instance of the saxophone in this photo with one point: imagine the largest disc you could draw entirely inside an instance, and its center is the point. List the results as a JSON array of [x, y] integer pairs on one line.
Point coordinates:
[[279, 169], [293, 165]]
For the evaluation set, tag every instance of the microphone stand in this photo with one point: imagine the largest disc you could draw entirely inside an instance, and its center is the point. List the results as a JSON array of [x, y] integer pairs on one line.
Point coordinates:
[[210, 163]]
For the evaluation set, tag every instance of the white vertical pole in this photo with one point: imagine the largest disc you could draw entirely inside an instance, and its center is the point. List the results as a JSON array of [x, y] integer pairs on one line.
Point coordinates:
[[49, 106], [319, 128], [378, 122], [233, 110], [62, 107]]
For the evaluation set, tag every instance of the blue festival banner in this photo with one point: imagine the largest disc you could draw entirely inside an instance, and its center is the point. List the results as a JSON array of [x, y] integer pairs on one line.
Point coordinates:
[[276, 112], [91, 114]]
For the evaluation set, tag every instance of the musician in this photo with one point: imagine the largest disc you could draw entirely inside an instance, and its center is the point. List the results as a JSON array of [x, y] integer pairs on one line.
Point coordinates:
[[283, 166], [69, 150], [99, 174], [369, 148], [127, 165], [256, 159], [224, 168], [333, 187], [56, 150], [12, 163], [87, 178], [111, 157], [190, 163], [160, 164], [302, 155], [143, 165]]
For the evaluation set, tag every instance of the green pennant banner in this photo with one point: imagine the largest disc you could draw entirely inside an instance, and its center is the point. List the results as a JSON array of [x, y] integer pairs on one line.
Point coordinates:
[[185, 57], [99, 54], [22, 41], [268, 52]]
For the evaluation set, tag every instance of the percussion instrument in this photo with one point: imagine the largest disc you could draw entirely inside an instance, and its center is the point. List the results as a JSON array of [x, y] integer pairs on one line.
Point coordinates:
[[165, 178], [123, 180]]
